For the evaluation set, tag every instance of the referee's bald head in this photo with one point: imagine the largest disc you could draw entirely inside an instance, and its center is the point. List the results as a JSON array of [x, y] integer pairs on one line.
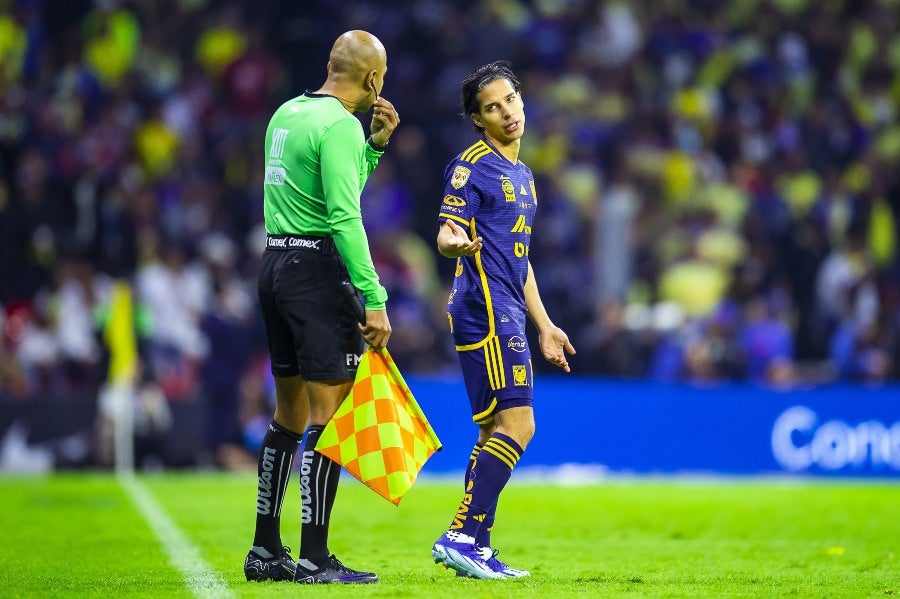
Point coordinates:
[[356, 53]]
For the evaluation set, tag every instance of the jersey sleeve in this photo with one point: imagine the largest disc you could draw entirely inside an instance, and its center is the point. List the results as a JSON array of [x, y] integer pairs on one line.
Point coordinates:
[[346, 164], [461, 196], [371, 155]]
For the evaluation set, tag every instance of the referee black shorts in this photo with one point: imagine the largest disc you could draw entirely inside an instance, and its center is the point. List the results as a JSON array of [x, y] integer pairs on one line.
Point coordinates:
[[311, 327]]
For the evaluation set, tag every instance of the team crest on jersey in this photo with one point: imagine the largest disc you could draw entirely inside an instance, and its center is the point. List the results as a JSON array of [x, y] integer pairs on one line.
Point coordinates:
[[460, 177], [509, 190], [520, 375]]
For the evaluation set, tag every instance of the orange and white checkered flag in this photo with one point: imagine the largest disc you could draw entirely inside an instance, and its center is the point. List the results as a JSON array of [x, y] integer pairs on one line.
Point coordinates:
[[379, 433]]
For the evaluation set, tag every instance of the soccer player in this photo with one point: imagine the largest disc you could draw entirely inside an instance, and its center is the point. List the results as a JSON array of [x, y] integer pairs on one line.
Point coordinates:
[[317, 161], [485, 223]]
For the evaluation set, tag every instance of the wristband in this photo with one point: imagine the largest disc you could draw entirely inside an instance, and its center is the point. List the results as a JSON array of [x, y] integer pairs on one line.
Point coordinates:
[[375, 146]]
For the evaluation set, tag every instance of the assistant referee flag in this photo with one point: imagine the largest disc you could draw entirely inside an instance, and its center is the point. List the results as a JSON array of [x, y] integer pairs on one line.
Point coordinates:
[[379, 433]]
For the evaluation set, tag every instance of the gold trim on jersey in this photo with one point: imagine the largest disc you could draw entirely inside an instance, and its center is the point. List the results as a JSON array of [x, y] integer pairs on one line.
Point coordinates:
[[493, 361], [488, 303], [486, 415], [475, 151], [458, 219]]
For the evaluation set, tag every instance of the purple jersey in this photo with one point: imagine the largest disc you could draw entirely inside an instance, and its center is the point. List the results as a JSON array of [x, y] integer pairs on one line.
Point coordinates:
[[494, 199]]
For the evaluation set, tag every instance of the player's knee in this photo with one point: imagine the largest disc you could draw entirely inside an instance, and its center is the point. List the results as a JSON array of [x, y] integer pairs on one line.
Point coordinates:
[[526, 434], [517, 423]]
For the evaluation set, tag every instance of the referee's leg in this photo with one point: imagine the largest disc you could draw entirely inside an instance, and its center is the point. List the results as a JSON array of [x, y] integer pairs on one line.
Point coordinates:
[[291, 403], [319, 475], [268, 559]]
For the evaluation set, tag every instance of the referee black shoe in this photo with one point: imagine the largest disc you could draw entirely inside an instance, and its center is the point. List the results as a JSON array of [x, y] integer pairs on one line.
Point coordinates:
[[279, 567], [332, 571]]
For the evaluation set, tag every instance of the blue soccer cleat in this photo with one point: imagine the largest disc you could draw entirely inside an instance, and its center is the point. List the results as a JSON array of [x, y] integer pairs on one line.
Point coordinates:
[[490, 556], [465, 558], [496, 565]]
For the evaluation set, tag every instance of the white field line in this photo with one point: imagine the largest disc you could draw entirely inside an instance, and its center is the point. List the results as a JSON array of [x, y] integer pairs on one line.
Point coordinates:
[[199, 577]]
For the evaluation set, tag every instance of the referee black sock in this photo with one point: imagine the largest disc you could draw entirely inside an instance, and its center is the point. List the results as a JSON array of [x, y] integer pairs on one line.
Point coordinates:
[[276, 456], [319, 478]]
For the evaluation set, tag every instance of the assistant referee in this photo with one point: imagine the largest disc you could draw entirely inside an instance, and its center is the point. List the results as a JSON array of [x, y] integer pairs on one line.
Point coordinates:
[[317, 160]]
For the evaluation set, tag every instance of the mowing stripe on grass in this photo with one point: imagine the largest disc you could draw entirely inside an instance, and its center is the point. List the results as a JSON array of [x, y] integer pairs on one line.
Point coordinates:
[[200, 578]]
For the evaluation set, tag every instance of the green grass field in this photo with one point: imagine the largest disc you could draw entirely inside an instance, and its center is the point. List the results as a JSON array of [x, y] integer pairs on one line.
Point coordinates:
[[92, 536]]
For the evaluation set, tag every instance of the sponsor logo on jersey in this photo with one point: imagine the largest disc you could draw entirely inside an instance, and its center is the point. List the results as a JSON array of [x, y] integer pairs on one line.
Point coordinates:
[[275, 175], [452, 200], [460, 177], [504, 318], [509, 190], [520, 226], [279, 136], [520, 375], [516, 343], [522, 191], [353, 360]]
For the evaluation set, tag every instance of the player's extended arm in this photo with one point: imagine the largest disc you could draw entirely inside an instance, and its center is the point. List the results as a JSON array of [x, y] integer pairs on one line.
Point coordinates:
[[553, 340], [453, 242]]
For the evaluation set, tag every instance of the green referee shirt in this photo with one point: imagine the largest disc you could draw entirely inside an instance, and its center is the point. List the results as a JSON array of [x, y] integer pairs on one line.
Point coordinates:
[[317, 161]]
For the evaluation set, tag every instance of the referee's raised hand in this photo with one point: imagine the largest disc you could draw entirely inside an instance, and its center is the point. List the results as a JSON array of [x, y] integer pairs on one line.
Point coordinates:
[[377, 329]]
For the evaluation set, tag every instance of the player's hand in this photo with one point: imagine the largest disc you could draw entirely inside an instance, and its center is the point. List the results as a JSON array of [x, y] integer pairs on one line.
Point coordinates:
[[554, 345], [384, 120], [377, 329], [455, 241]]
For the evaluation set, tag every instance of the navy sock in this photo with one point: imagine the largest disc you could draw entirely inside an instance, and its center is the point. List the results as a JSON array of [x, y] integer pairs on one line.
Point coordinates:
[[276, 456], [492, 467], [319, 478], [484, 532], [483, 538], [471, 464]]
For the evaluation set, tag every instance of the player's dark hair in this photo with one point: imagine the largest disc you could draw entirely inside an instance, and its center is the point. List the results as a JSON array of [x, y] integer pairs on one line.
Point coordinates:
[[480, 77]]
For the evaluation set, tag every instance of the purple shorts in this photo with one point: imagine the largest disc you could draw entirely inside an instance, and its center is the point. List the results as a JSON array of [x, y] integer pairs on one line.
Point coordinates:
[[498, 375]]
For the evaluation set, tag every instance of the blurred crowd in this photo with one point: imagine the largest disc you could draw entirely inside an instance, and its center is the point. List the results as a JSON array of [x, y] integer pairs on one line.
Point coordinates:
[[718, 182]]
